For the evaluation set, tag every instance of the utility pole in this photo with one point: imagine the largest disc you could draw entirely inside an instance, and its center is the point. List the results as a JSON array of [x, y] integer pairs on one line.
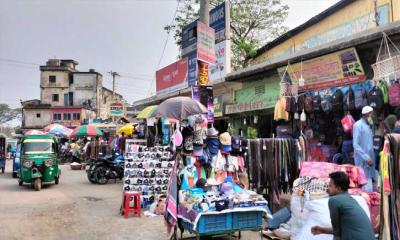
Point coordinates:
[[114, 75], [204, 11]]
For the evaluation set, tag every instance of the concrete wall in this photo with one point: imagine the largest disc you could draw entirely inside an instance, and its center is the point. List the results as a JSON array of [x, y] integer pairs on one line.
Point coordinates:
[[85, 88], [107, 100], [48, 89], [354, 18], [32, 121]]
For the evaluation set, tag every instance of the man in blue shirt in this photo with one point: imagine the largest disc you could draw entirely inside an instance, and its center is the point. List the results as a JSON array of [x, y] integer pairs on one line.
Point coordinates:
[[363, 146]]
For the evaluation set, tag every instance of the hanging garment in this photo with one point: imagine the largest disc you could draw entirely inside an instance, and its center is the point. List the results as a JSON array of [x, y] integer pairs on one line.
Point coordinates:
[[189, 177], [280, 112]]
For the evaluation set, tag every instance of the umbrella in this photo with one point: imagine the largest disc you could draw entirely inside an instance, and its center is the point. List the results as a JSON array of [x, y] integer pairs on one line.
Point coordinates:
[[58, 129], [34, 132], [86, 131], [128, 129], [147, 112], [179, 108]]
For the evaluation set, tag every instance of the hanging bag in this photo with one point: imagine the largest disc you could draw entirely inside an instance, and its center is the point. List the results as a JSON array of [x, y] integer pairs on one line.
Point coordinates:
[[360, 98], [337, 101], [317, 102], [348, 100], [308, 104], [375, 98], [394, 94], [348, 123]]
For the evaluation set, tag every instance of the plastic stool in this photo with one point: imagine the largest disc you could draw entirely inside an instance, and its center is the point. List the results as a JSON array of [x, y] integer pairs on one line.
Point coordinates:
[[128, 198]]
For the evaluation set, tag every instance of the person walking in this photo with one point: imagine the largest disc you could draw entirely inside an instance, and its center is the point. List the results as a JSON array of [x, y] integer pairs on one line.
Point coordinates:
[[363, 146], [349, 220], [121, 142]]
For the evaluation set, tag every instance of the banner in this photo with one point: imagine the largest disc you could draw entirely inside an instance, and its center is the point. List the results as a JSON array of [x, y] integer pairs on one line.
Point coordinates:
[[335, 69], [117, 109], [172, 77], [221, 67], [204, 95], [218, 106], [205, 43], [203, 74]]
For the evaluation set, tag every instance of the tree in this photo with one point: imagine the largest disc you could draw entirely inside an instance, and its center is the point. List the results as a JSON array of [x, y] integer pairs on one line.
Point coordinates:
[[253, 24]]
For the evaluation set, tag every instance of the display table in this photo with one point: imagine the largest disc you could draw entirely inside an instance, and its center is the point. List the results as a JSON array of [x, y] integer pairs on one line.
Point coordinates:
[[225, 222]]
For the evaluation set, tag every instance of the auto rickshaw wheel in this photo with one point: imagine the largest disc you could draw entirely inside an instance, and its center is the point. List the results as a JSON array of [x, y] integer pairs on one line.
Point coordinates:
[[56, 180], [20, 182], [37, 184]]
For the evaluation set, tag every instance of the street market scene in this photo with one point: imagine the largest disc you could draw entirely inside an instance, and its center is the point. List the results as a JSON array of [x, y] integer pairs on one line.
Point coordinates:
[[221, 119]]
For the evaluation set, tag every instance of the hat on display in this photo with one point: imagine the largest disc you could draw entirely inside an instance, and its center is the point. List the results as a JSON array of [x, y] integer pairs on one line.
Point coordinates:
[[227, 148], [227, 189], [366, 110], [212, 133], [229, 179], [236, 143], [197, 150], [225, 139]]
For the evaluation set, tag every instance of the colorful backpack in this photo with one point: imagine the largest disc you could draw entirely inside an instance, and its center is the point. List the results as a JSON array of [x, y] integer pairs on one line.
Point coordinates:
[[360, 98], [348, 100], [385, 91], [308, 104], [326, 103], [375, 98], [317, 103], [394, 94], [337, 101]]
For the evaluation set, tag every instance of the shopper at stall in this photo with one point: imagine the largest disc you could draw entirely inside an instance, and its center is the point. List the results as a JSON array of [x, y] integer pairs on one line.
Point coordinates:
[[121, 142], [363, 146], [349, 221]]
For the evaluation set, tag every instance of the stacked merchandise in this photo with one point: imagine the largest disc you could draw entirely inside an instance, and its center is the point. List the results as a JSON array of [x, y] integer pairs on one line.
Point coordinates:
[[147, 171], [210, 173], [309, 203]]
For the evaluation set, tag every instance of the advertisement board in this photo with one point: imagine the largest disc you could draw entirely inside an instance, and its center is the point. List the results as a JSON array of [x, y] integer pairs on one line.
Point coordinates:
[[204, 95], [335, 69], [117, 109], [220, 22], [172, 77], [205, 43], [218, 106]]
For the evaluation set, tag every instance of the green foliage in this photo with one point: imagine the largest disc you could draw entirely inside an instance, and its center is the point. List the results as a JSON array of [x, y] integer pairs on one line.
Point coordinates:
[[253, 24]]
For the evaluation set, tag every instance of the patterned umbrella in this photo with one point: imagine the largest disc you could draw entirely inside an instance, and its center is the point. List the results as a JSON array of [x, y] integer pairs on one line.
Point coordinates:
[[34, 132], [58, 129], [179, 108], [86, 131]]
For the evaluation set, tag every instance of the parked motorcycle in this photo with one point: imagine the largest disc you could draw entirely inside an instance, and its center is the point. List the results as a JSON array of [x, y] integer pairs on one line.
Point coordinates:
[[105, 168]]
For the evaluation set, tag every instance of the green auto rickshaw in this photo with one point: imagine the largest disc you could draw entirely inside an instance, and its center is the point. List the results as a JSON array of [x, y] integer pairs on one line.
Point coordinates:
[[39, 160]]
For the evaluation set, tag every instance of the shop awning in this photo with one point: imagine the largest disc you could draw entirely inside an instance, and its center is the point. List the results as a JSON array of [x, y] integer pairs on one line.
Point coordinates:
[[147, 112]]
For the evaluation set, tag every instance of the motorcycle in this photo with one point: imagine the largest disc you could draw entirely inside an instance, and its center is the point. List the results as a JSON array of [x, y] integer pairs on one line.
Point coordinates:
[[105, 168]]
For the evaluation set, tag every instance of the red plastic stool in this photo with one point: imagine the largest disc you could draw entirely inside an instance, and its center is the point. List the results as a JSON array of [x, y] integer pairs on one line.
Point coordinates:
[[131, 204]]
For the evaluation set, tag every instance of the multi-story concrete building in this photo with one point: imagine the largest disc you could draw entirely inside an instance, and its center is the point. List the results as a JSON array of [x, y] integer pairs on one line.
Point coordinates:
[[68, 96]]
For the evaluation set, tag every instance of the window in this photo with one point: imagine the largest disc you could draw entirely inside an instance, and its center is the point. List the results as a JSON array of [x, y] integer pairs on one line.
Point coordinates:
[[67, 116], [37, 115], [71, 79], [76, 116], [71, 98], [57, 116], [52, 79], [55, 97]]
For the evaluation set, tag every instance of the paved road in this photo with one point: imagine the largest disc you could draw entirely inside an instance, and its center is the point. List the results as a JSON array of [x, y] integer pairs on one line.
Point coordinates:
[[74, 209]]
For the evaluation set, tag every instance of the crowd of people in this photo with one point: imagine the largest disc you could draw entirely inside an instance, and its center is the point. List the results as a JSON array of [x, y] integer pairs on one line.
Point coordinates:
[[78, 150]]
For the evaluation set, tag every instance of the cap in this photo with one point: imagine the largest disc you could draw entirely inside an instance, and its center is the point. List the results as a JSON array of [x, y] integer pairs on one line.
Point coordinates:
[[212, 132], [366, 110], [225, 138], [227, 148]]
